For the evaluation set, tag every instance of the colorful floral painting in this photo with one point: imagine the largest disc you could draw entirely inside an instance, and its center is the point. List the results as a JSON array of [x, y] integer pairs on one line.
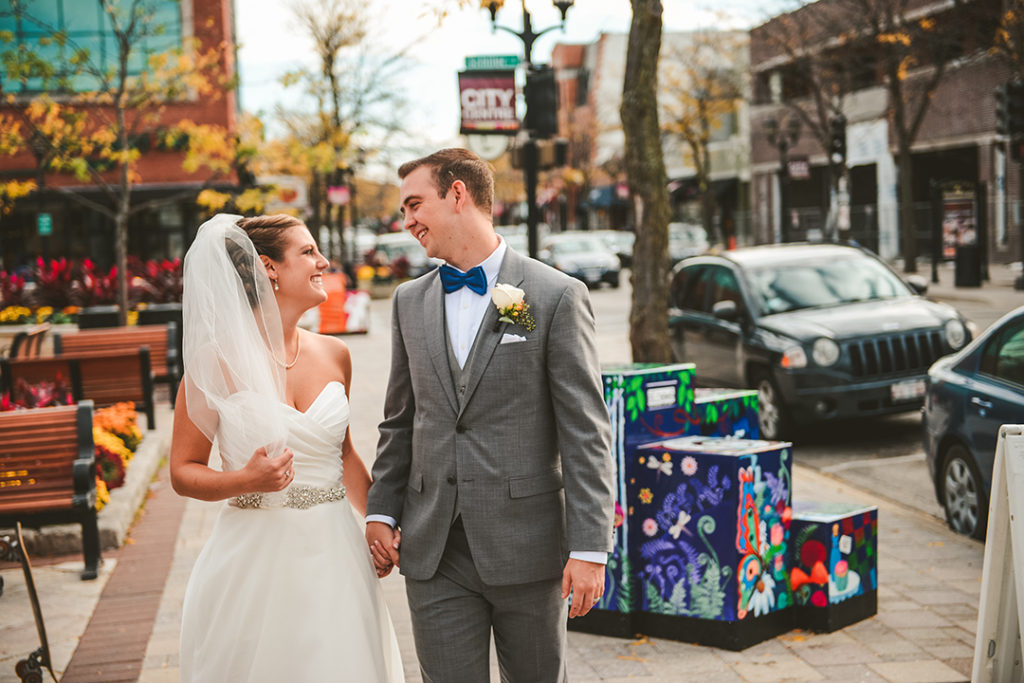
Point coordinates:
[[715, 547], [835, 553]]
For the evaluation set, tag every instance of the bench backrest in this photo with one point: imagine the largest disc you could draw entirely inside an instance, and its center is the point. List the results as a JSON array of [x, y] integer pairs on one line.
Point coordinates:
[[27, 344], [46, 454], [102, 377], [161, 340]]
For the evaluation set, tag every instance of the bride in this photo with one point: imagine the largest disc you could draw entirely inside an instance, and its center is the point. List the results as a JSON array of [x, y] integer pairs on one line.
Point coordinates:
[[285, 588]]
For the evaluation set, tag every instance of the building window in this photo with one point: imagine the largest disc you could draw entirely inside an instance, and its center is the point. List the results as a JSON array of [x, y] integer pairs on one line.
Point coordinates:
[[41, 39]]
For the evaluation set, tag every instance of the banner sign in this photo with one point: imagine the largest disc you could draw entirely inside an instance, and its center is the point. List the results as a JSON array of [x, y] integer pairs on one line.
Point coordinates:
[[488, 100], [337, 195], [958, 221]]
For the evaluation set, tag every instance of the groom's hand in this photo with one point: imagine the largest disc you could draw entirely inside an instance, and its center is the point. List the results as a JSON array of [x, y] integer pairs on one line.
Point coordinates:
[[586, 582], [384, 543]]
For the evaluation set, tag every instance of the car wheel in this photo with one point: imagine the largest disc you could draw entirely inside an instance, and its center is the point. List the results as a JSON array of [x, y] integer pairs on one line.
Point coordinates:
[[614, 281], [771, 413], [965, 503]]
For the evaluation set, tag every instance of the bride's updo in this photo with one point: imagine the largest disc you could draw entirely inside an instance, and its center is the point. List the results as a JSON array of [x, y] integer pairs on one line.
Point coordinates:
[[267, 234]]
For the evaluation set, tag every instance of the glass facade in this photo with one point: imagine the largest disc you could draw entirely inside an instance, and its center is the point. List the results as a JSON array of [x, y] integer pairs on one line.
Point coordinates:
[[48, 45]]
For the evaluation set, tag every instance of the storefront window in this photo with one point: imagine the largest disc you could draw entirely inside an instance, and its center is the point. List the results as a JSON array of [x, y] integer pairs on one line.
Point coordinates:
[[42, 37]]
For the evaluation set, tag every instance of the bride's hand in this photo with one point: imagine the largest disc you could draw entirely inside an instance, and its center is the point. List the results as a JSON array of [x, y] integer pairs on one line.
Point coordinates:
[[268, 474]]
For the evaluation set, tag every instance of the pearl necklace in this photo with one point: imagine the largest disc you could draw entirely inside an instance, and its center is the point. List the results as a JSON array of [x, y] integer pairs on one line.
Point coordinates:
[[288, 366]]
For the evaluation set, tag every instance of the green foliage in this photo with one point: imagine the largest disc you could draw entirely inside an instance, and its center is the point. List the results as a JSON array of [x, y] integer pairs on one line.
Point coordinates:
[[708, 597], [655, 603], [677, 603]]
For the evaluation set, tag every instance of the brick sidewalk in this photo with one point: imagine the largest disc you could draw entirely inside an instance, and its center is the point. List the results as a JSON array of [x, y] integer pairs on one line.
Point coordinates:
[[115, 641]]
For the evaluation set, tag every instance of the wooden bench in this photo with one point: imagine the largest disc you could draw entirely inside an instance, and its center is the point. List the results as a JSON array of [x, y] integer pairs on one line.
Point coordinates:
[[101, 377], [27, 344], [48, 472], [162, 341]]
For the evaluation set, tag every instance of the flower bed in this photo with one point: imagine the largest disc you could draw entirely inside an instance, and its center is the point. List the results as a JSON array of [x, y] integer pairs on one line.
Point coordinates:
[[54, 291]]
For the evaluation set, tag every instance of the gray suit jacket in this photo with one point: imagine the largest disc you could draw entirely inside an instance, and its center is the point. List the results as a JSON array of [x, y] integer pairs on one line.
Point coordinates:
[[528, 455]]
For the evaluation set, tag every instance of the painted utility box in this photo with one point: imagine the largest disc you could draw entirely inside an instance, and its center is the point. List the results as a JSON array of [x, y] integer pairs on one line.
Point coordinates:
[[727, 412], [646, 402], [833, 568], [709, 539]]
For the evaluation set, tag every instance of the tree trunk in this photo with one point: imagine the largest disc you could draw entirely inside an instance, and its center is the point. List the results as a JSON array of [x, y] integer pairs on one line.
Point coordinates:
[[908, 235], [645, 170]]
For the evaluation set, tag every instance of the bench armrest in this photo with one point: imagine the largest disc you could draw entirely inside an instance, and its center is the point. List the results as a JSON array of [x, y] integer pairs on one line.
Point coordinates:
[[83, 470]]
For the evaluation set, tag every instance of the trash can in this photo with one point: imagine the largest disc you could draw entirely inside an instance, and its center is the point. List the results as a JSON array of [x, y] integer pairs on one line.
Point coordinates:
[[967, 266]]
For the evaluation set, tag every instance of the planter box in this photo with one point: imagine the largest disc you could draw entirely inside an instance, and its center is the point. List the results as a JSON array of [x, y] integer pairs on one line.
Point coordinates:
[[709, 537], [833, 564]]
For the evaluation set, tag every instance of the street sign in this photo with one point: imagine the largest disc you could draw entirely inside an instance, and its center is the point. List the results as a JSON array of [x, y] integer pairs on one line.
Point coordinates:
[[44, 224], [488, 100], [492, 62]]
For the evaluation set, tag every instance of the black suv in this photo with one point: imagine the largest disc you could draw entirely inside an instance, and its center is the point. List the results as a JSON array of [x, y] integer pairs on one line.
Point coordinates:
[[823, 331]]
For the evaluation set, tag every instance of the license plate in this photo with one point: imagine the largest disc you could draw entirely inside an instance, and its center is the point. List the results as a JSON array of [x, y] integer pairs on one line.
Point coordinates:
[[908, 390]]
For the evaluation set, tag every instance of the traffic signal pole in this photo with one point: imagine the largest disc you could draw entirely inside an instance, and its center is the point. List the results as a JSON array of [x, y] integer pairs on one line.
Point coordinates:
[[534, 122]]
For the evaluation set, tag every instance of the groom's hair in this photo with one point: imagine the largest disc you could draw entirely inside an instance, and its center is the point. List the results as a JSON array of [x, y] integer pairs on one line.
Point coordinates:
[[454, 163]]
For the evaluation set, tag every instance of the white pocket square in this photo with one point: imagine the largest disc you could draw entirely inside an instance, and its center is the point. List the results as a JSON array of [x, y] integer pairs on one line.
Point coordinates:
[[511, 338]]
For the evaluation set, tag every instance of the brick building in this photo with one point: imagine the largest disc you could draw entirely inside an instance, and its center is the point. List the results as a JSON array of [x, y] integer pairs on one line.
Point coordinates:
[[957, 140], [163, 231], [590, 88]]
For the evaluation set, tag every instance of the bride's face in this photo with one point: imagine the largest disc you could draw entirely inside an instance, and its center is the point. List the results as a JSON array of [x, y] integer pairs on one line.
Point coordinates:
[[300, 271]]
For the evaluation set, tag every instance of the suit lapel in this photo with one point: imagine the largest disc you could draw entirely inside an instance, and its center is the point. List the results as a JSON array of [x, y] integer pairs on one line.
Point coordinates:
[[435, 333], [511, 273]]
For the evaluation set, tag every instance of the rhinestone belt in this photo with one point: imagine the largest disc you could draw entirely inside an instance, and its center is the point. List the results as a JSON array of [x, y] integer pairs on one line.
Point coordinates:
[[297, 497]]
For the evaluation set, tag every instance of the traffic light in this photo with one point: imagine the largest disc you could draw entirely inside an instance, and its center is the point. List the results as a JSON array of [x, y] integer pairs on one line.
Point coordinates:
[[541, 102], [1015, 108], [1002, 111], [837, 138]]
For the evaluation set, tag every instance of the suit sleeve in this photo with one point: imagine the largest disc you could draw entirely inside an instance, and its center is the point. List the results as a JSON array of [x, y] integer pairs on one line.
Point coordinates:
[[581, 421], [394, 446]]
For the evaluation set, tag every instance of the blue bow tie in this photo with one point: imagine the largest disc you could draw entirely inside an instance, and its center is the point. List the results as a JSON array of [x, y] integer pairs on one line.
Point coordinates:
[[454, 279]]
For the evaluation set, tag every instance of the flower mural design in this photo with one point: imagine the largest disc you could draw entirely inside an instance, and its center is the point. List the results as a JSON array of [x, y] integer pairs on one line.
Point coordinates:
[[689, 466], [650, 527], [763, 597]]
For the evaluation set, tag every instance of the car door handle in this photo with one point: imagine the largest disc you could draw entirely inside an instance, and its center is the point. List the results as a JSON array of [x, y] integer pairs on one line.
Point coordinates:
[[987, 405]]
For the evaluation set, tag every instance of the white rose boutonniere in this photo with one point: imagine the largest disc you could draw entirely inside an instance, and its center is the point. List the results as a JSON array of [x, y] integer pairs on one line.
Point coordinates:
[[512, 307]]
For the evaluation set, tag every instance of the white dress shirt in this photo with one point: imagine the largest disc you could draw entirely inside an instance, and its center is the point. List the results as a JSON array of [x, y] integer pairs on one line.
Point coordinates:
[[464, 311]]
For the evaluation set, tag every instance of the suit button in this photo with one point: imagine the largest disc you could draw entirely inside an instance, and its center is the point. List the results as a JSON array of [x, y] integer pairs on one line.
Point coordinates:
[[460, 429], [451, 480]]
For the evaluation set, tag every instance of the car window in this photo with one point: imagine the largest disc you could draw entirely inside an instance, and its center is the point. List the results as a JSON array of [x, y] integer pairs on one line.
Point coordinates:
[[690, 287], [781, 287], [1004, 355], [724, 287]]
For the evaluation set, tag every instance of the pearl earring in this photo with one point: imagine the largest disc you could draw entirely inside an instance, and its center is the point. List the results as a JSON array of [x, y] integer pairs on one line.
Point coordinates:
[[277, 287]]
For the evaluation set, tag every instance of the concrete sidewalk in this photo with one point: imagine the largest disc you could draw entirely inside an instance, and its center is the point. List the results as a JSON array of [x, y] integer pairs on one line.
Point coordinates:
[[929, 578]]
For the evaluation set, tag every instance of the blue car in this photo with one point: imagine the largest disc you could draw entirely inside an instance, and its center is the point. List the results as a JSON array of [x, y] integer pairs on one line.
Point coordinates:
[[968, 396]]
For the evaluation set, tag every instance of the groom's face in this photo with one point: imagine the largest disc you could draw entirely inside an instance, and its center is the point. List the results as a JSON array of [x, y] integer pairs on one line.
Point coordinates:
[[430, 218]]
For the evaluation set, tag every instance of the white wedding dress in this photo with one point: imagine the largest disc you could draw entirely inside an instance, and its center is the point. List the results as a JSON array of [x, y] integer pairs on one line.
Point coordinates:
[[286, 594]]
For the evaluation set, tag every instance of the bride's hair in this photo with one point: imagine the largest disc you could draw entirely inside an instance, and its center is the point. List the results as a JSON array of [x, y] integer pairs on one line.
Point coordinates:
[[267, 234]]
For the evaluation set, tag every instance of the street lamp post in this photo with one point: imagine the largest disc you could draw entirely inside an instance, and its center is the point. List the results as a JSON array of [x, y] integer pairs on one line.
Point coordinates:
[[783, 137], [530, 152]]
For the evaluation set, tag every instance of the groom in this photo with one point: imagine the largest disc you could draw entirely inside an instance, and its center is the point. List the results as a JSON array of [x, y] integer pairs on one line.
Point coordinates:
[[494, 454]]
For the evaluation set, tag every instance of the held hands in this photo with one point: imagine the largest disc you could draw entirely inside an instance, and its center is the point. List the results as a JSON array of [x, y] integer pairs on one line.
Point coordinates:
[[267, 474], [586, 582], [384, 543]]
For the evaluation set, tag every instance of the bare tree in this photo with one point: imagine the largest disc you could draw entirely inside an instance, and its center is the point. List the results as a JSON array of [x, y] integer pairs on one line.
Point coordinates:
[[704, 84]]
